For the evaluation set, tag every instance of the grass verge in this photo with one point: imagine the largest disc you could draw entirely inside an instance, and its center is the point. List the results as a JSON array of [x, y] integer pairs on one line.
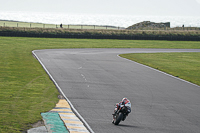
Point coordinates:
[[26, 89], [183, 65], [99, 31]]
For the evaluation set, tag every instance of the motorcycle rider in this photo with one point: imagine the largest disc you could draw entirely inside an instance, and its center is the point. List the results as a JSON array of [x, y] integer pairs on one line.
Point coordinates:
[[124, 102]]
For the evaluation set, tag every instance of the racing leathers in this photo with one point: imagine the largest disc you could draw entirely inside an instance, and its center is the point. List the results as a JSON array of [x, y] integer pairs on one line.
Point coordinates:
[[124, 102]]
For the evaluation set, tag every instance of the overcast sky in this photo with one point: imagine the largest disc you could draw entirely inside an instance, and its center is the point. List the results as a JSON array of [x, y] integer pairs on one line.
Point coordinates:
[[118, 7]]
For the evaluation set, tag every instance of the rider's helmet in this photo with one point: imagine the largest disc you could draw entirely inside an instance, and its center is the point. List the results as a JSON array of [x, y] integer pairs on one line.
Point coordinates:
[[124, 100]]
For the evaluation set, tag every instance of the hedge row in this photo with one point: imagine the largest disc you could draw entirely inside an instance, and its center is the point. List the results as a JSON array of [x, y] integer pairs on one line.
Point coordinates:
[[99, 36]]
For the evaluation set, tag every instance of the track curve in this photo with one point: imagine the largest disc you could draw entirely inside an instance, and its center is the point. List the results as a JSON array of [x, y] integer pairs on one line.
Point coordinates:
[[95, 79]]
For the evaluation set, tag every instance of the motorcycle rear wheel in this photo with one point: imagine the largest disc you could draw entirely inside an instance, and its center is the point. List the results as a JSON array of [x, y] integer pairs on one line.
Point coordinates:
[[118, 119]]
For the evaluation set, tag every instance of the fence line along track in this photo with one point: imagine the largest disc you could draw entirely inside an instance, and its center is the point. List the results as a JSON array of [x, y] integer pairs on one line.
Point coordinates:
[[65, 26], [5, 23]]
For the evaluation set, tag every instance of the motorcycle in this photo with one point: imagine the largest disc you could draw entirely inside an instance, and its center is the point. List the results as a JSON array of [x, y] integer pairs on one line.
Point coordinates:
[[120, 115]]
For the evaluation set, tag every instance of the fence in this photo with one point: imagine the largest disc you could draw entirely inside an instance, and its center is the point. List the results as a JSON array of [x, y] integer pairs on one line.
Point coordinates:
[[40, 25], [71, 26]]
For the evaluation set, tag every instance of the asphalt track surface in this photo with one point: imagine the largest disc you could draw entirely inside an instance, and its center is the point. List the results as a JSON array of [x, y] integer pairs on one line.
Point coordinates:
[[95, 79]]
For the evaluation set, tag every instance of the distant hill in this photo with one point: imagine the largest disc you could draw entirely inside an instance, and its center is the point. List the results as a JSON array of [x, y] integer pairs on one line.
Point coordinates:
[[148, 24]]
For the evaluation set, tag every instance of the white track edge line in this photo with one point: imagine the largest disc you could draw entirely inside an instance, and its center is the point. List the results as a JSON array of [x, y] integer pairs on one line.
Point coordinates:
[[76, 112], [160, 71]]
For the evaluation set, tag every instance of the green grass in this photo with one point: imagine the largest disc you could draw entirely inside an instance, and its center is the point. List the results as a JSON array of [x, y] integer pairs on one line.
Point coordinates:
[[182, 65], [26, 89]]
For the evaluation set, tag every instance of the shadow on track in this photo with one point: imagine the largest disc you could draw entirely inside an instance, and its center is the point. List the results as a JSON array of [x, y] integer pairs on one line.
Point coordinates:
[[122, 125]]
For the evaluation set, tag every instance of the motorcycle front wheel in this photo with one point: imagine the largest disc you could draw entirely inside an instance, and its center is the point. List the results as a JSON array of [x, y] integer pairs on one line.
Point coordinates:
[[118, 119]]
